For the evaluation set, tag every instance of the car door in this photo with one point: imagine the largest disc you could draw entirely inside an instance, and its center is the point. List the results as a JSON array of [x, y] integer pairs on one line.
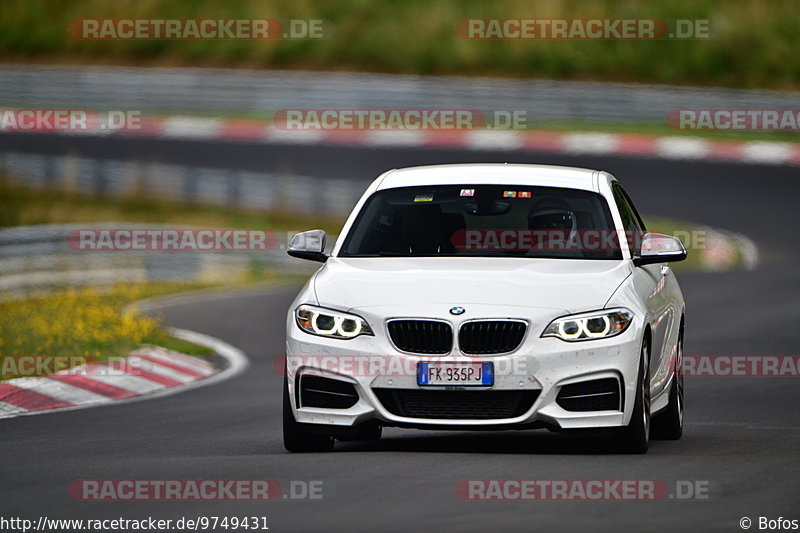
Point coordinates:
[[651, 282]]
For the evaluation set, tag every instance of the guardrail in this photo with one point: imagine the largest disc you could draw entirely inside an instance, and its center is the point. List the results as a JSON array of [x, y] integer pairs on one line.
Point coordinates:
[[186, 183], [39, 257], [221, 91]]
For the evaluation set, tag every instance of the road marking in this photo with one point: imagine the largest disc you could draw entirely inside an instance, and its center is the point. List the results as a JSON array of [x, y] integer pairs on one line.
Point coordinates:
[[94, 385], [28, 399], [191, 128], [59, 390], [590, 143], [161, 370], [679, 148]]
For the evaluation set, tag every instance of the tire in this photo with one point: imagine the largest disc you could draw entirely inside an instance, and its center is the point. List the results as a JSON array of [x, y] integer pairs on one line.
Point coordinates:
[[635, 437], [668, 425], [296, 436], [366, 432]]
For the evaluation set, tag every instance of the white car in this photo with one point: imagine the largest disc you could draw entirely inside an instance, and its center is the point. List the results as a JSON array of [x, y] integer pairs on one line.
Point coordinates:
[[487, 296]]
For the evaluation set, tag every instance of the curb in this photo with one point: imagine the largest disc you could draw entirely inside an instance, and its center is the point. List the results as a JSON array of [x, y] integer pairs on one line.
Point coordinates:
[[146, 373], [726, 250], [583, 143]]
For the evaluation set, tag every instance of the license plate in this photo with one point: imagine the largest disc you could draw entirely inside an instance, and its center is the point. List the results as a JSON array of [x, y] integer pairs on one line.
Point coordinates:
[[460, 374]]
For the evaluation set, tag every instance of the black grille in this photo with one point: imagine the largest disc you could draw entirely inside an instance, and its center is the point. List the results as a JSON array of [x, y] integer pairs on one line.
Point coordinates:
[[456, 405], [421, 336], [596, 395], [317, 391], [491, 336]]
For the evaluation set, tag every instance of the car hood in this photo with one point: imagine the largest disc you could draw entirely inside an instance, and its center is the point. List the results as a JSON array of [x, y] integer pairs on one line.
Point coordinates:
[[564, 284]]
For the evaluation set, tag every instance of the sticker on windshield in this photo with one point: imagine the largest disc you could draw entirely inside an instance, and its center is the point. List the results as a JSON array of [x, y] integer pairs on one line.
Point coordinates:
[[423, 198], [524, 194], [509, 194], [467, 192]]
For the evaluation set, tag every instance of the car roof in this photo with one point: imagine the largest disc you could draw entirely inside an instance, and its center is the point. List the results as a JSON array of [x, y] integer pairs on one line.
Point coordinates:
[[490, 173]]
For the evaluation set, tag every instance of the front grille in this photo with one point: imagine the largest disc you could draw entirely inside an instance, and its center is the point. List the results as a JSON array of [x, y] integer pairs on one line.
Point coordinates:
[[421, 336], [456, 405], [595, 395], [317, 391], [484, 337]]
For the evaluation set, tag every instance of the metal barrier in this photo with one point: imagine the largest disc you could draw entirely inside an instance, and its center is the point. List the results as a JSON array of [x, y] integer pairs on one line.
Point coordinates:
[[187, 90]]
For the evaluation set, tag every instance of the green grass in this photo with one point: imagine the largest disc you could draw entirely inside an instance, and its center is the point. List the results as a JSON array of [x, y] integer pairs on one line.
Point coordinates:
[[662, 129], [90, 322], [86, 325], [753, 42], [21, 205]]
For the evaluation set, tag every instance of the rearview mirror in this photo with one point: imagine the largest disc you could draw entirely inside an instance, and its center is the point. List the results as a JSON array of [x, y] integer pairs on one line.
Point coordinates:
[[658, 248], [309, 245]]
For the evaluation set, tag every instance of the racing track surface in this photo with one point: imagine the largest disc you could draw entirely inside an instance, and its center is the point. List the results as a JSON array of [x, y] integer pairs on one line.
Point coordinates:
[[741, 433]]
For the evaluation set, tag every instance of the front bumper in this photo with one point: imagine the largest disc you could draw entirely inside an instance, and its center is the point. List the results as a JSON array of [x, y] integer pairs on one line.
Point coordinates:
[[543, 366]]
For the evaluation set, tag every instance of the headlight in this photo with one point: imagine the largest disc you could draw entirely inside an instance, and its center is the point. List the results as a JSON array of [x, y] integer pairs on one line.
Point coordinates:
[[588, 326], [328, 323]]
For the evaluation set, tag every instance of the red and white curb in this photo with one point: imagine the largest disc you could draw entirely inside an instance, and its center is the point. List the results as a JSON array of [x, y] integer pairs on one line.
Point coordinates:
[[583, 143], [146, 373]]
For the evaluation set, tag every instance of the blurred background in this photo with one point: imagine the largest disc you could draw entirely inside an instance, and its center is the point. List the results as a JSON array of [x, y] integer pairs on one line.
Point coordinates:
[[207, 154], [208, 151]]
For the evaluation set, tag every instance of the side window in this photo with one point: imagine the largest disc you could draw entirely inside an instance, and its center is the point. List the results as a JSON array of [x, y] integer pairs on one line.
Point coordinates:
[[641, 226], [631, 221]]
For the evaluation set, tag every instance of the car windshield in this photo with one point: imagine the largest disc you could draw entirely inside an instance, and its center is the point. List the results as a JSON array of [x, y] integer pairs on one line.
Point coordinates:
[[483, 221]]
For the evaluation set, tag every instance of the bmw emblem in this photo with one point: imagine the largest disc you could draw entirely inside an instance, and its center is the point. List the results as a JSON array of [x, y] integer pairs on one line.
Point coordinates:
[[457, 310]]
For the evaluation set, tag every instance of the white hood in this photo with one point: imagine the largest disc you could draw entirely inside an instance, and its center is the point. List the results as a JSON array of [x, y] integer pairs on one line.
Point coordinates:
[[571, 285]]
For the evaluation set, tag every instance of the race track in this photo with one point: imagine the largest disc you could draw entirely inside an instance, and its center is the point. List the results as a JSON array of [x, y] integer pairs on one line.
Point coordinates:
[[741, 433]]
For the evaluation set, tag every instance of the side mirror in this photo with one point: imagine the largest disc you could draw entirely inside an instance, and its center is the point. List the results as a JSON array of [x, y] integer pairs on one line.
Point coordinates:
[[658, 248], [309, 245]]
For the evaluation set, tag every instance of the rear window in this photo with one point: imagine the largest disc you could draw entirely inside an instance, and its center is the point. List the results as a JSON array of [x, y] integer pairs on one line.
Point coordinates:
[[483, 221]]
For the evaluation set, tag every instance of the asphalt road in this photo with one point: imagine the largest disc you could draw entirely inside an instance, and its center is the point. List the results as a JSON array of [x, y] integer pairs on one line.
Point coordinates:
[[741, 434]]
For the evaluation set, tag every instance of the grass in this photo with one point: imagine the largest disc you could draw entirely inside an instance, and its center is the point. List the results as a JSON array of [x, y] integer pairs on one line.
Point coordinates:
[[21, 206], [89, 322], [752, 42], [86, 323], [662, 129]]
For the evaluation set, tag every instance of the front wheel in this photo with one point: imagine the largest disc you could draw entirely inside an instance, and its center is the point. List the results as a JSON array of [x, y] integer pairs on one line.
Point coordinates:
[[635, 437], [669, 424], [296, 436]]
